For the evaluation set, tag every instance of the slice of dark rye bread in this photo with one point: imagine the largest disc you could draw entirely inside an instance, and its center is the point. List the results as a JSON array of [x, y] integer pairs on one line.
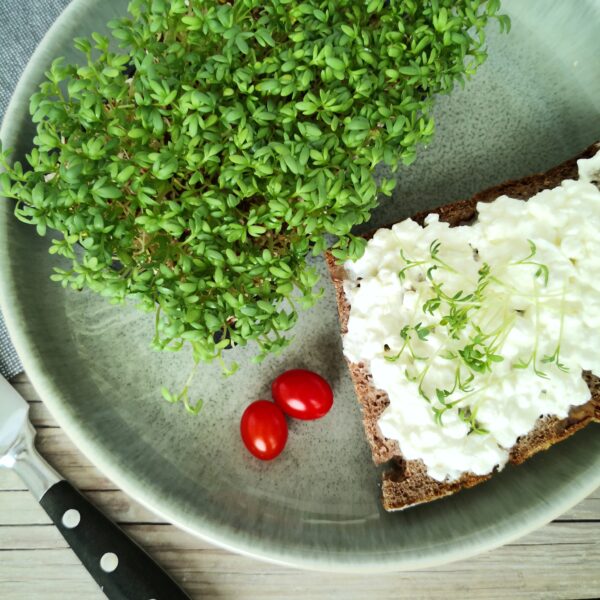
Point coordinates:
[[407, 483]]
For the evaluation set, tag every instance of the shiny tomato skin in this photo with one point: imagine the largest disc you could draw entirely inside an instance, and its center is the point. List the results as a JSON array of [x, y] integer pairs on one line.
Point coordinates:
[[302, 394], [264, 429]]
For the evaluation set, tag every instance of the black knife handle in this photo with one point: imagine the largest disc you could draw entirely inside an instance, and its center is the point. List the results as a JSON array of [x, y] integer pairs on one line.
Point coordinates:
[[120, 567]]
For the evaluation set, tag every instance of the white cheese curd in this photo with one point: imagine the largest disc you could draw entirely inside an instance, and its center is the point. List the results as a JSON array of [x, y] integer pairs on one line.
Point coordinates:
[[537, 313]]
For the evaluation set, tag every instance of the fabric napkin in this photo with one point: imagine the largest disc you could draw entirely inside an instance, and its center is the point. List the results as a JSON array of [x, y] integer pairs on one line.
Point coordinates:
[[23, 23]]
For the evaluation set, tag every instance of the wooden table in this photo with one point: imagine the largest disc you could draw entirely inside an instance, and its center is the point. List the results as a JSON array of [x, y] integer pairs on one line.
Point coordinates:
[[562, 560]]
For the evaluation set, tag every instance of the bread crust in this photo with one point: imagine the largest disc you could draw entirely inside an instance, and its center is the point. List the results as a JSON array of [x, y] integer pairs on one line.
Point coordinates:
[[406, 483]]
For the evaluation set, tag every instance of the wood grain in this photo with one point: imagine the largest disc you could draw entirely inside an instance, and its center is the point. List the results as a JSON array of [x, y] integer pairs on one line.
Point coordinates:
[[558, 561]]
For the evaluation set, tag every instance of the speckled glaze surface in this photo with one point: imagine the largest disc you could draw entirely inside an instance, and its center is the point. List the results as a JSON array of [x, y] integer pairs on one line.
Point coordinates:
[[533, 104]]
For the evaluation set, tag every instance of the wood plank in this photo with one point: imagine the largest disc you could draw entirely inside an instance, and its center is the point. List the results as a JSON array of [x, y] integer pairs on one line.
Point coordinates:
[[21, 377], [40, 416], [30, 537], [84, 476], [69, 586], [586, 510], [45, 575], [52, 442], [9, 481], [21, 508], [516, 571], [25, 388]]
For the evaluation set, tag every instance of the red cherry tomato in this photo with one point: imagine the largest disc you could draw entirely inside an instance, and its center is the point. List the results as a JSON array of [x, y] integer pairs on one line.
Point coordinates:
[[302, 394], [264, 429]]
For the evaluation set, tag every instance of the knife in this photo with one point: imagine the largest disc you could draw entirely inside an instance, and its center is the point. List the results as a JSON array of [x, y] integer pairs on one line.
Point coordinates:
[[120, 567]]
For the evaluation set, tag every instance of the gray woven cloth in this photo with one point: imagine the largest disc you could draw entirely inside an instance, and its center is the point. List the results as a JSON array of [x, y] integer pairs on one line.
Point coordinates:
[[23, 23]]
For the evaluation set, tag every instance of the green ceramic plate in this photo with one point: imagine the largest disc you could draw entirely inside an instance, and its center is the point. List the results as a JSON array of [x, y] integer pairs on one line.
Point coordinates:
[[533, 104]]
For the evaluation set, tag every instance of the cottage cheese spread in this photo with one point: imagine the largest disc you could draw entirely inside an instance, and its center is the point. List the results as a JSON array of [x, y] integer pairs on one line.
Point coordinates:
[[538, 314]]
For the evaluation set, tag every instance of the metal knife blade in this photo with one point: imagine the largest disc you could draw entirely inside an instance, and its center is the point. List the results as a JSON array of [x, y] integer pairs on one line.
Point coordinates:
[[14, 412], [17, 448]]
